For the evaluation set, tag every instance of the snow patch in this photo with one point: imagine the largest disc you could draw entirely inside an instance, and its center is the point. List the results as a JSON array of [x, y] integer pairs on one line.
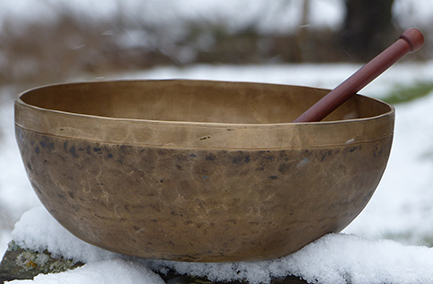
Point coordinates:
[[39, 231], [105, 272], [335, 258]]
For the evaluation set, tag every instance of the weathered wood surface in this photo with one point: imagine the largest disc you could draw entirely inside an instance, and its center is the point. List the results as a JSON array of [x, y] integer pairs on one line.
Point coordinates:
[[19, 263]]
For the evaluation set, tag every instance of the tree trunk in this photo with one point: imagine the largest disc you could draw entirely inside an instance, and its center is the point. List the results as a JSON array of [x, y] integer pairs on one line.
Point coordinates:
[[367, 29]]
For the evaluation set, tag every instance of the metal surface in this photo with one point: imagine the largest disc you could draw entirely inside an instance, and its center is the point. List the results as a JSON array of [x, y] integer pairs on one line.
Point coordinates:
[[200, 170]]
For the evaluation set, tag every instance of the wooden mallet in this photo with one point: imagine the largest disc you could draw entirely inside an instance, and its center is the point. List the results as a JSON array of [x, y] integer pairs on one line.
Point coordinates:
[[410, 41]]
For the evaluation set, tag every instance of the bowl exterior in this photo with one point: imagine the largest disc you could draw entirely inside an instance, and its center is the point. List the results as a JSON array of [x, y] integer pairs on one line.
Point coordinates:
[[207, 192], [201, 205]]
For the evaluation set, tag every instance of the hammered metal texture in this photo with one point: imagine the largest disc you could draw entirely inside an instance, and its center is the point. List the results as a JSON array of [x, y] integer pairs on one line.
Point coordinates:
[[218, 190]]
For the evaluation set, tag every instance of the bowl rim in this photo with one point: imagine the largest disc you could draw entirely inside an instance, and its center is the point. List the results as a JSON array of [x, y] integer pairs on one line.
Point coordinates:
[[44, 120], [20, 101]]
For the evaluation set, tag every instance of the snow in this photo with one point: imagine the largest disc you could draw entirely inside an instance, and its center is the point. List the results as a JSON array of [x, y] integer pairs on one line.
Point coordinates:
[[108, 271], [400, 209], [335, 258], [315, 75], [39, 231]]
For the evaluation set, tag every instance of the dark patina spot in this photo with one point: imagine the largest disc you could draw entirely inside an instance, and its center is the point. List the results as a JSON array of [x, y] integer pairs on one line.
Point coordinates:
[[211, 157], [73, 152]]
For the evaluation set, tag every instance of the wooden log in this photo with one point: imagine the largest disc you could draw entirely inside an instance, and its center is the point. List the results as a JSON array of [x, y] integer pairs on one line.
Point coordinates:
[[19, 263]]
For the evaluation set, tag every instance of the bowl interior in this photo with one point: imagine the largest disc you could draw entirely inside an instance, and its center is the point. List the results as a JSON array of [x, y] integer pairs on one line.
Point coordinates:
[[195, 101]]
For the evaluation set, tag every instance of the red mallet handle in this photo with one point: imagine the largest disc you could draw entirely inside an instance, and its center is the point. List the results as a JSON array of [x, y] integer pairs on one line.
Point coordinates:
[[410, 41]]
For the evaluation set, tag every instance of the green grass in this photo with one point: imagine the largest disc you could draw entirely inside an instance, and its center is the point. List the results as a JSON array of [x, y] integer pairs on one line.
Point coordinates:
[[405, 93]]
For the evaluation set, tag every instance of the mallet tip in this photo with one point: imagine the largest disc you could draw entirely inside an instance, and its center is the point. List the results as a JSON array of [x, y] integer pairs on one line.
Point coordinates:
[[414, 38]]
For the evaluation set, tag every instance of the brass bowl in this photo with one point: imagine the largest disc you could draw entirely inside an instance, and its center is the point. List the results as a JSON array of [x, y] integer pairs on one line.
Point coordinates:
[[200, 170]]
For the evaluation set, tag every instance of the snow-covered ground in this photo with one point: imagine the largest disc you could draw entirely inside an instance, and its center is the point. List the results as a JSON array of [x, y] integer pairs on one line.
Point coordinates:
[[400, 209]]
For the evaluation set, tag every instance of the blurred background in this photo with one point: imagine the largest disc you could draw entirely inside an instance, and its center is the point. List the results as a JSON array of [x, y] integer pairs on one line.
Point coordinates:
[[51, 40], [48, 41]]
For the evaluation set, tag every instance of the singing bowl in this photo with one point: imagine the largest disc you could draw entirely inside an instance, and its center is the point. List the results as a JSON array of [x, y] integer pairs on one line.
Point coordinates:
[[202, 171]]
